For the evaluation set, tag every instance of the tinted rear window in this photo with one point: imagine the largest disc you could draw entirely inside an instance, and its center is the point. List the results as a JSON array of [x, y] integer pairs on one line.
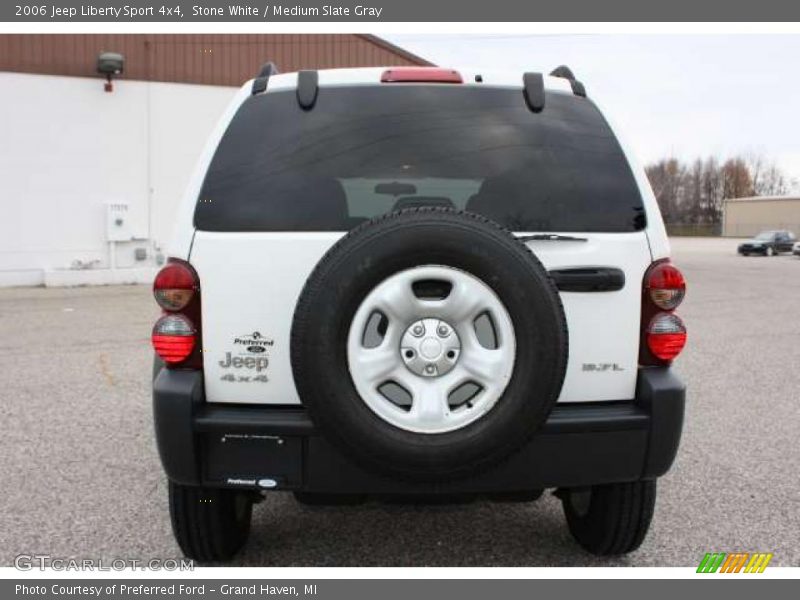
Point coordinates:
[[365, 151]]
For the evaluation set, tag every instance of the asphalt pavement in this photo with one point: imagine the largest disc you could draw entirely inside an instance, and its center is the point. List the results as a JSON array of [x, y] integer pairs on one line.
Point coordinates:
[[81, 477]]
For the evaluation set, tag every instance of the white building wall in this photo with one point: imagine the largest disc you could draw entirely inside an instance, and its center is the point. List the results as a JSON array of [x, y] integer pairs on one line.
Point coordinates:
[[67, 148]]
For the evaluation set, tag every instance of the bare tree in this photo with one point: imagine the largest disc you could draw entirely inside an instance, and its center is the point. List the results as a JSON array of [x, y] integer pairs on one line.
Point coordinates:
[[693, 193], [768, 179], [666, 178], [736, 179], [712, 191]]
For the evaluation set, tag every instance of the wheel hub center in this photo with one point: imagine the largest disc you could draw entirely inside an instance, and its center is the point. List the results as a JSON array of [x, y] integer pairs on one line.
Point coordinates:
[[430, 347]]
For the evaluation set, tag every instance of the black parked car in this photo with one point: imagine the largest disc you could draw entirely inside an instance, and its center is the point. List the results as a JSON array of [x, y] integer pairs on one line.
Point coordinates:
[[768, 243]]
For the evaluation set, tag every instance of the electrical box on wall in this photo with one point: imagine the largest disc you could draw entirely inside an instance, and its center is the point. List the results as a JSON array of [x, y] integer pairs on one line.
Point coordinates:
[[118, 225]]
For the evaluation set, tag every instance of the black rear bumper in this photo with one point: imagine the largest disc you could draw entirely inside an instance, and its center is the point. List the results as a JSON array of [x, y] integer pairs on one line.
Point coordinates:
[[262, 447]]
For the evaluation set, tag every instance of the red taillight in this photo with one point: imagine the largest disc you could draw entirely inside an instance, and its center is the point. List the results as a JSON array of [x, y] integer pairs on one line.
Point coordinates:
[[663, 332], [175, 286], [174, 338], [420, 75], [666, 336], [666, 285]]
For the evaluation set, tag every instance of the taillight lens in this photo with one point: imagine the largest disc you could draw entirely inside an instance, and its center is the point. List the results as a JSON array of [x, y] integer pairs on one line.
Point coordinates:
[[663, 334], [175, 286], [666, 336], [665, 285], [174, 338]]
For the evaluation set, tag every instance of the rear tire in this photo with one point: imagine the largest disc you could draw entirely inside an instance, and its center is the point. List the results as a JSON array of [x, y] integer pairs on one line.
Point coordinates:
[[612, 519], [210, 525]]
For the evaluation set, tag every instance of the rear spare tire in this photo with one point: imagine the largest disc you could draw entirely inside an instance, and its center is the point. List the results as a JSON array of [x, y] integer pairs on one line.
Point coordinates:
[[429, 344]]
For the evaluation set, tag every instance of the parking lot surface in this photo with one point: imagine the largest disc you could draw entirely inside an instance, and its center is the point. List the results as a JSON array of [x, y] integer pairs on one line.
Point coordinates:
[[81, 475]]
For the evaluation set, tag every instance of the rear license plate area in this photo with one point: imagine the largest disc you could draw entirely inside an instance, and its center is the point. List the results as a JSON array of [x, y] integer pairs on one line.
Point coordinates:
[[253, 461]]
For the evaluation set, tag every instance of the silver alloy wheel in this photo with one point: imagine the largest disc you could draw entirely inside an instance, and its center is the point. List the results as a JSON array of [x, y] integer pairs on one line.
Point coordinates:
[[430, 348]]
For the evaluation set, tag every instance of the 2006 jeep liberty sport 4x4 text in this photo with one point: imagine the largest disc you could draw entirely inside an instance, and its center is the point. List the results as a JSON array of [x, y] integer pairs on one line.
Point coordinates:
[[421, 282]]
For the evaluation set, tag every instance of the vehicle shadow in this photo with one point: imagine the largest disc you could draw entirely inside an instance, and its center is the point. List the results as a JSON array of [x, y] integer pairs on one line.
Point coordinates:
[[481, 533]]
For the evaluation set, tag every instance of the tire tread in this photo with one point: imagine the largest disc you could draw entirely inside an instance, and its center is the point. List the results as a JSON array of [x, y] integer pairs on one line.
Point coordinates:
[[204, 522], [618, 518]]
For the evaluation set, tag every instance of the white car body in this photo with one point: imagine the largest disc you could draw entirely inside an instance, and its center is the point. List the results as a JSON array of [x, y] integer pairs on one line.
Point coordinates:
[[251, 281]]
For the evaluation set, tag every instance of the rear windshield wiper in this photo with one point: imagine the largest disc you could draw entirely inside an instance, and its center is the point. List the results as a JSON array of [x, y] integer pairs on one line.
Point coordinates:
[[550, 237]]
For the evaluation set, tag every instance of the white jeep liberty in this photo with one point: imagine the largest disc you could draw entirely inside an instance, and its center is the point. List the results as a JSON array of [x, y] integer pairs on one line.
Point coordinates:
[[422, 282]]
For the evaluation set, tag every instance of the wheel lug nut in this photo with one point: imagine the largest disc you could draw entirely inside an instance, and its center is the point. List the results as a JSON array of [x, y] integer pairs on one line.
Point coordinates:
[[418, 330], [443, 331], [430, 369]]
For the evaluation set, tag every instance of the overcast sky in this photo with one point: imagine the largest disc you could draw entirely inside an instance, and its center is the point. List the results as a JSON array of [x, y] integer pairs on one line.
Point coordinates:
[[674, 95]]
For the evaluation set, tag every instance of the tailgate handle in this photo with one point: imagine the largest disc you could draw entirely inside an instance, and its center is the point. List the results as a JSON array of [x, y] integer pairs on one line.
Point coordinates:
[[589, 279]]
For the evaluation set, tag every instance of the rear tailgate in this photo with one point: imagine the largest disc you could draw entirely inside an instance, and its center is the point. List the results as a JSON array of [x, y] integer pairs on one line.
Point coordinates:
[[251, 282], [284, 183]]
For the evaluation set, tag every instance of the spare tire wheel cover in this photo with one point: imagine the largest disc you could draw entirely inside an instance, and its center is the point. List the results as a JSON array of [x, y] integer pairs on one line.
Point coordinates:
[[429, 344]]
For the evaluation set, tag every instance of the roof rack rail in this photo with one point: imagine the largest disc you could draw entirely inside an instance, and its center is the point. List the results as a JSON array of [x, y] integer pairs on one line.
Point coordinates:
[[565, 72], [260, 82], [533, 90], [307, 89]]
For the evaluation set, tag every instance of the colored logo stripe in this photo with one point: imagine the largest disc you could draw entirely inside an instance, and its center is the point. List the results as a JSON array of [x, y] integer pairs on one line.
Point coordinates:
[[734, 562], [711, 562], [758, 563]]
